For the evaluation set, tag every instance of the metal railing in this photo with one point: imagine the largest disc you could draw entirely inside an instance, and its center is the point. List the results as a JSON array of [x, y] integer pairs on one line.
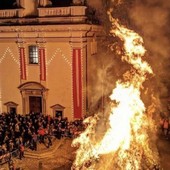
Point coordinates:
[[6, 157]]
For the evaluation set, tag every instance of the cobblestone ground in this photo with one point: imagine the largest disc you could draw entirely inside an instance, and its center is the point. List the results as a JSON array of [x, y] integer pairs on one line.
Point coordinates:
[[65, 156], [61, 161]]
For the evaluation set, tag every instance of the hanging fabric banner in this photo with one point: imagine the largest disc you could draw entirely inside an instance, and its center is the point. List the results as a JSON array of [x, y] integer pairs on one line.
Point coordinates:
[[77, 83], [22, 63], [42, 64]]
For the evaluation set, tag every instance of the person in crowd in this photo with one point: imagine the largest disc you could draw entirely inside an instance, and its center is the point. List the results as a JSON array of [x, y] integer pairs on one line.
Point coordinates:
[[166, 127], [162, 124], [48, 134], [11, 146], [11, 165], [17, 130], [34, 141], [21, 151], [41, 134]]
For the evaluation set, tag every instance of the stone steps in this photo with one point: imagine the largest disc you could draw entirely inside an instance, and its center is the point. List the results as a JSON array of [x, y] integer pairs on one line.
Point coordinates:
[[43, 153]]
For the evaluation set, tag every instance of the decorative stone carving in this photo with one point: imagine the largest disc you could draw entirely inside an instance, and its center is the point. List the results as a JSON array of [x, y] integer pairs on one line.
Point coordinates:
[[78, 2], [44, 3]]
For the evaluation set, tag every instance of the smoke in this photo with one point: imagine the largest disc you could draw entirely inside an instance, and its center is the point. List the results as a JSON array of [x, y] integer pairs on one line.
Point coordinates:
[[105, 69], [101, 78], [106, 66], [152, 18]]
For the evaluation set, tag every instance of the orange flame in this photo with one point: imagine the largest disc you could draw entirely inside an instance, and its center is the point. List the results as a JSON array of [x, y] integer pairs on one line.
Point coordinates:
[[125, 145]]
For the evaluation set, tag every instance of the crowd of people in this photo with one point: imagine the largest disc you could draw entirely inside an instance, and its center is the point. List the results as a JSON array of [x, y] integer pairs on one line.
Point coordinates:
[[20, 131]]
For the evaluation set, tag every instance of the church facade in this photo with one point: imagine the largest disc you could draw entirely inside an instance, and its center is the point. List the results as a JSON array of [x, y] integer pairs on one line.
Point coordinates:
[[45, 49]]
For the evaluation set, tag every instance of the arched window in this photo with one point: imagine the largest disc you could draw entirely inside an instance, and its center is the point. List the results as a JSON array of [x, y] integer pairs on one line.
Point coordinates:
[[33, 54]]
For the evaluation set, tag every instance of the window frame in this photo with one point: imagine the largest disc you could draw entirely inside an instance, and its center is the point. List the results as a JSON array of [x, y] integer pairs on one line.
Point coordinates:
[[33, 55]]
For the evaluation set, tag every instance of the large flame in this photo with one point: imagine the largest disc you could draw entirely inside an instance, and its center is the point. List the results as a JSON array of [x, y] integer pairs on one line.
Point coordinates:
[[125, 145]]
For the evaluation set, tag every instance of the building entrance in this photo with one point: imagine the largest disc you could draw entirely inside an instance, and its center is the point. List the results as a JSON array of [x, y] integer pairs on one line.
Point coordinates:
[[13, 110], [59, 113], [33, 97], [35, 104]]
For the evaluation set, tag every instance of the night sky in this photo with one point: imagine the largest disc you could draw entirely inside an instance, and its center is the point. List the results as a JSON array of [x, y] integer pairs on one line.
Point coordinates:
[[6, 3]]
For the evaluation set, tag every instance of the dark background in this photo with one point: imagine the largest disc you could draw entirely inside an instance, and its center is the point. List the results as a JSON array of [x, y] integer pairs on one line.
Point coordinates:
[[7, 4]]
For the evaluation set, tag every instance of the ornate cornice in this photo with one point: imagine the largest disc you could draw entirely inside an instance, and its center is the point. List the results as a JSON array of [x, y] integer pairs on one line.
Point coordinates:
[[49, 31], [50, 28]]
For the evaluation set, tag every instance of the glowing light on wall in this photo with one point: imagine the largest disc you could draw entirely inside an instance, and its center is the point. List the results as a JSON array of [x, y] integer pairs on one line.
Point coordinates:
[[58, 50], [2, 58], [8, 50]]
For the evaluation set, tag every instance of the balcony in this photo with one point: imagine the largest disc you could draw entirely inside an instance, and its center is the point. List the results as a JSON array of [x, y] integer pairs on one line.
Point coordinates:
[[71, 14], [51, 12], [62, 11], [11, 13], [62, 14]]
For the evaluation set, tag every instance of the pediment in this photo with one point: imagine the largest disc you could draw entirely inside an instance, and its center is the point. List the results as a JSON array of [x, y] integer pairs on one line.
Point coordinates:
[[32, 86], [10, 103], [58, 107]]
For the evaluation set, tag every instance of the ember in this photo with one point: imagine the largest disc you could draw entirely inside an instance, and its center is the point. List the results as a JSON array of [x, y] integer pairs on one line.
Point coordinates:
[[126, 143]]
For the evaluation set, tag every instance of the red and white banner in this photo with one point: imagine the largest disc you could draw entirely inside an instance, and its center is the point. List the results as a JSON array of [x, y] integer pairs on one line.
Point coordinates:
[[42, 64], [22, 63], [77, 83]]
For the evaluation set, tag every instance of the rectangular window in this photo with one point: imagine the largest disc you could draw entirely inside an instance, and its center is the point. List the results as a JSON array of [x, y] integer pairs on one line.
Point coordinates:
[[33, 54]]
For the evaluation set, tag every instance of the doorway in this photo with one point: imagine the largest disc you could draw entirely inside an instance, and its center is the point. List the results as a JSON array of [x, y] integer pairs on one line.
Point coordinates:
[[13, 110], [11, 107], [58, 113], [33, 97], [35, 104]]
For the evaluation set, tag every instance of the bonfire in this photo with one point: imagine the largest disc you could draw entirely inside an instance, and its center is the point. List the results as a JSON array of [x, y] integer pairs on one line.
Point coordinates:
[[126, 141]]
